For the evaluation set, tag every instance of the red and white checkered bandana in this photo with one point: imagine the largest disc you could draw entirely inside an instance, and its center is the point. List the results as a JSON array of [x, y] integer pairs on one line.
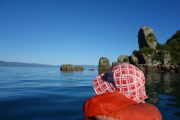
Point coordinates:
[[125, 78]]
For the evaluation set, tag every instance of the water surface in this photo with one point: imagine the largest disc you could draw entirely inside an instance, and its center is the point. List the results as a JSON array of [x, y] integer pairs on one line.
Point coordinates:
[[29, 93]]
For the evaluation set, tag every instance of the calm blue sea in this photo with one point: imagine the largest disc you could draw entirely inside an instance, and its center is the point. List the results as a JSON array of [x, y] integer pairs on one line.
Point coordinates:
[[30, 93]]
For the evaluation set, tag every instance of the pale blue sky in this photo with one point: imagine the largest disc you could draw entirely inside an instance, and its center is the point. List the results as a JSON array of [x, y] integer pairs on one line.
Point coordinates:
[[80, 31]]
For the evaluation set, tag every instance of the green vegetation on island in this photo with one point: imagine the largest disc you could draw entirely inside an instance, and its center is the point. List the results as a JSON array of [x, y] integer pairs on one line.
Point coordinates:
[[153, 56]]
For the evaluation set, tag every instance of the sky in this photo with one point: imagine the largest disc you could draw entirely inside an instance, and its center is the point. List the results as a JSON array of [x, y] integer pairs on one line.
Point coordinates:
[[80, 31]]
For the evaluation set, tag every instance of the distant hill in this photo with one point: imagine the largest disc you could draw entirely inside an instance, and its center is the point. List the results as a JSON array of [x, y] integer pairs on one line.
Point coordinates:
[[20, 64]]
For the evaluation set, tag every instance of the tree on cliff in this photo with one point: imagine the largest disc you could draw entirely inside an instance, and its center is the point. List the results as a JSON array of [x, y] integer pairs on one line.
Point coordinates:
[[174, 47]]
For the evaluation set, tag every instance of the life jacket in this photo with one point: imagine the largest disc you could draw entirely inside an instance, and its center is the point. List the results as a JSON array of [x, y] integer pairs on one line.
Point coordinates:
[[118, 106]]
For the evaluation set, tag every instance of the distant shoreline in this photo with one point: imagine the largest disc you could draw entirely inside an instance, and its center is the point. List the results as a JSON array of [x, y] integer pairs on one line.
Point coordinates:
[[20, 64]]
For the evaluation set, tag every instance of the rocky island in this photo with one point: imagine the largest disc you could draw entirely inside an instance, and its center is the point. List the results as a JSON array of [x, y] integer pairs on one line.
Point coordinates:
[[71, 68], [151, 56], [104, 65]]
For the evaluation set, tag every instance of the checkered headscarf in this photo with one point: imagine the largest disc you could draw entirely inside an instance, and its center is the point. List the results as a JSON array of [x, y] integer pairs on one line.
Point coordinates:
[[125, 78]]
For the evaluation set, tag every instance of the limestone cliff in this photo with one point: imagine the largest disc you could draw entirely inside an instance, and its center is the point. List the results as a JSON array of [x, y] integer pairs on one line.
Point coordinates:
[[147, 38], [151, 55]]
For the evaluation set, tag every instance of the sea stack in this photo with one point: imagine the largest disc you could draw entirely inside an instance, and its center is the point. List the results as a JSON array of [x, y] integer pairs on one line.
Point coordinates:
[[147, 38], [104, 65], [123, 59]]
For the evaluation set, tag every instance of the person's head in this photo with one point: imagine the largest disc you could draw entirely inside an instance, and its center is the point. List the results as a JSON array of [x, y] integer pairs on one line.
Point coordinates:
[[125, 78]]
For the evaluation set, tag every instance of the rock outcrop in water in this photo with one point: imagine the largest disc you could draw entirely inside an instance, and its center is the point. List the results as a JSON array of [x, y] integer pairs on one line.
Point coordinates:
[[123, 58], [104, 65], [70, 68], [147, 38], [152, 56]]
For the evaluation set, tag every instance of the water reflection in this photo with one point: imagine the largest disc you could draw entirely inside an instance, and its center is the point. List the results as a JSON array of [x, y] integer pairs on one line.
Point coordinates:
[[164, 84]]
